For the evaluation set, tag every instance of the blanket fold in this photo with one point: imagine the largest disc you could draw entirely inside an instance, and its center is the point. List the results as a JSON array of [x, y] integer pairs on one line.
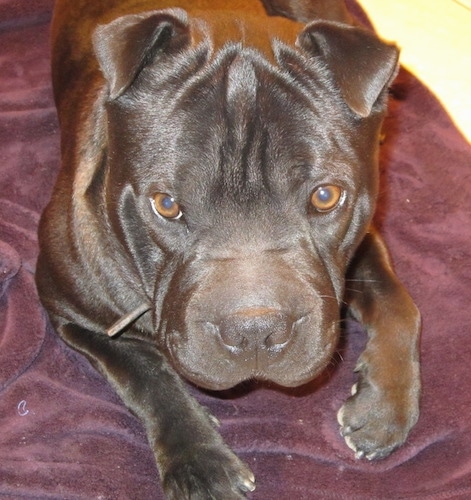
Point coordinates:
[[66, 435]]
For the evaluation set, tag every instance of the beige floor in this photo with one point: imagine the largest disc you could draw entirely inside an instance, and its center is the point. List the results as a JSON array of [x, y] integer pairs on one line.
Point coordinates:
[[435, 41]]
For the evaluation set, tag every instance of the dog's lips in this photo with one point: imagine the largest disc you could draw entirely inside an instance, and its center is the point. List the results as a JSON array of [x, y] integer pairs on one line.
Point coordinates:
[[216, 366], [233, 375]]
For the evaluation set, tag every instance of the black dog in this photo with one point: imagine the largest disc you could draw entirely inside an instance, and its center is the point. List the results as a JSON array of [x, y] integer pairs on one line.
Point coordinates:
[[218, 185]]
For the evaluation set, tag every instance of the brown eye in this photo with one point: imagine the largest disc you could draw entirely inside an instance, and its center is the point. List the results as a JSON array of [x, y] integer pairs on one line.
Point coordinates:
[[166, 206], [326, 198]]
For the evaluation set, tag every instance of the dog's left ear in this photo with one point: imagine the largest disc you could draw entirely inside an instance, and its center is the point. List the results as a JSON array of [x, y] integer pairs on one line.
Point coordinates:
[[361, 64], [125, 46]]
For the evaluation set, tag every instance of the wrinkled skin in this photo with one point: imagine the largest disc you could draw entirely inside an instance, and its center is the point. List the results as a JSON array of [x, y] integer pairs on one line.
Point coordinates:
[[189, 198]]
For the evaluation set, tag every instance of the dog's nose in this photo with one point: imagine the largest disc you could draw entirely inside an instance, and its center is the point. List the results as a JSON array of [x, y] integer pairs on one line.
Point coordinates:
[[256, 328]]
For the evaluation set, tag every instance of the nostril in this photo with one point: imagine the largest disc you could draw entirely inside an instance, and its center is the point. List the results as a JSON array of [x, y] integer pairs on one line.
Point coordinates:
[[231, 333], [235, 331], [228, 333], [279, 335], [256, 329]]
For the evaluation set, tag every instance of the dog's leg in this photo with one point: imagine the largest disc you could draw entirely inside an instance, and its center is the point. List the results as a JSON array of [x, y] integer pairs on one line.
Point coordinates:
[[193, 460], [384, 403]]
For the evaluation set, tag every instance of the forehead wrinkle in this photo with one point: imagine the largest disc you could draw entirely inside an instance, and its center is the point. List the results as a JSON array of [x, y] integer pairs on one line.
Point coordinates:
[[237, 146], [241, 83], [242, 159], [257, 95]]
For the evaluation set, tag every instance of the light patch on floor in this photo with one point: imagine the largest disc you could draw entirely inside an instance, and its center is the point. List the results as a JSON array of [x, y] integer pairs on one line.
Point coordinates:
[[435, 41]]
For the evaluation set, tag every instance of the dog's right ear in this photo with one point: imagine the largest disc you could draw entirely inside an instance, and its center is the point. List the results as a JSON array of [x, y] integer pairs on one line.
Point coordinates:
[[125, 46]]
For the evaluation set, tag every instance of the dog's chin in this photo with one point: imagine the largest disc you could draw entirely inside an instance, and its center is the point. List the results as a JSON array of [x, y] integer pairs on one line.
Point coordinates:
[[224, 383], [289, 373]]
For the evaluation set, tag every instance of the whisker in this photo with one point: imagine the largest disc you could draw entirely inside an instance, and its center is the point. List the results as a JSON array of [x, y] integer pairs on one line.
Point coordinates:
[[354, 290], [363, 281]]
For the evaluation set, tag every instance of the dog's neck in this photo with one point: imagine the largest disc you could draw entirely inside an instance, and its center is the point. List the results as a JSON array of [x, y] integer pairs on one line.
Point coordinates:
[[225, 27]]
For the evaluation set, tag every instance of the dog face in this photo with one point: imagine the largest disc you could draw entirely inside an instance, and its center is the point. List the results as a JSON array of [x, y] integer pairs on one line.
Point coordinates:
[[240, 189]]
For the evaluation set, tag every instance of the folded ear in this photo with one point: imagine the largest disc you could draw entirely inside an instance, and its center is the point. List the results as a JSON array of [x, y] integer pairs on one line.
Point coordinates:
[[128, 44], [360, 63]]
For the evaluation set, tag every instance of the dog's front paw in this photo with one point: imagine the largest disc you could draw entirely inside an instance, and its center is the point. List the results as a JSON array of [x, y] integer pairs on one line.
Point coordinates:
[[205, 473], [375, 421]]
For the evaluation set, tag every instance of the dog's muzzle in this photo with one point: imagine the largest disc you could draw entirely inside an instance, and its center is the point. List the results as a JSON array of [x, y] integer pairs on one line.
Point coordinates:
[[232, 324]]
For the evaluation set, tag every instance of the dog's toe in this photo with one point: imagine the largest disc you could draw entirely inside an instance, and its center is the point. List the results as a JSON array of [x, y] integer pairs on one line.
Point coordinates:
[[373, 423], [208, 473]]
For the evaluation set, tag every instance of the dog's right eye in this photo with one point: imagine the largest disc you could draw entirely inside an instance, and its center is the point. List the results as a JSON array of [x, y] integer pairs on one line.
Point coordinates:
[[165, 205], [325, 198]]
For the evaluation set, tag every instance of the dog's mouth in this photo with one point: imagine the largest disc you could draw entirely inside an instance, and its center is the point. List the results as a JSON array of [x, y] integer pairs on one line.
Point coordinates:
[[286, 358], [259, 344]]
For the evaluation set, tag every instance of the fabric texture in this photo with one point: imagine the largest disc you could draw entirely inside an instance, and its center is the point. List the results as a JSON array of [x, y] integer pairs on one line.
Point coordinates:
[[65, 434]]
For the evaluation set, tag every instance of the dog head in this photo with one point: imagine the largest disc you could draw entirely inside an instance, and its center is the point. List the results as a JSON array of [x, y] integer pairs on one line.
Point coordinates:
[[240, 185]]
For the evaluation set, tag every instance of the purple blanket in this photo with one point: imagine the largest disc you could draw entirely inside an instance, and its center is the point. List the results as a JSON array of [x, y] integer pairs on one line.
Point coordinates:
[[64, 434]]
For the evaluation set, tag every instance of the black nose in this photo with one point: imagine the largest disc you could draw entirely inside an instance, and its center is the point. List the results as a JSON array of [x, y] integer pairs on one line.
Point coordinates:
[[257, 328]]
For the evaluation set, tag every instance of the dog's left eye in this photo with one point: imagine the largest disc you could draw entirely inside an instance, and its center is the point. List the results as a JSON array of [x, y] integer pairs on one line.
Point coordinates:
[[165, 205], [326, 198]]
